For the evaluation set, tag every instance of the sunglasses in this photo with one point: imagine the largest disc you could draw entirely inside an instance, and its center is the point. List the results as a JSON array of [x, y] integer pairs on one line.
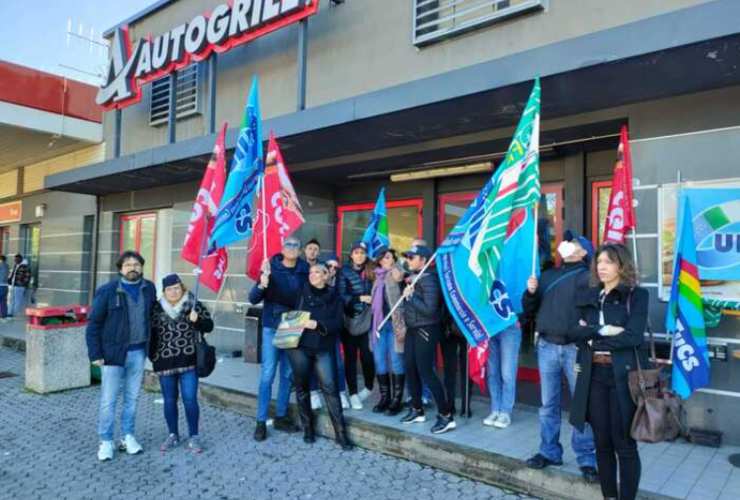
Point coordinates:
[[291, 246]]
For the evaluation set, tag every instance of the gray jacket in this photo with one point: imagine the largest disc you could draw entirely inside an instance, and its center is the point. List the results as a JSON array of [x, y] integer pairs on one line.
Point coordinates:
[[424, 306]]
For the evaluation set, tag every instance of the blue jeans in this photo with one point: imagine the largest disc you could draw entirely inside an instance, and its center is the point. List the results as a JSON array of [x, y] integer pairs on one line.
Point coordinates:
[[188, 382], [17, 300], [503, 361], [3, 301], [114, 378], [271, 357], [341, 382], [553, 361], [384, 349]]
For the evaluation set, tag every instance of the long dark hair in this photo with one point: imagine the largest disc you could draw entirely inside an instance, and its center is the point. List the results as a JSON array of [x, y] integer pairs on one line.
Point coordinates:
[[376, 263], [623, 257]]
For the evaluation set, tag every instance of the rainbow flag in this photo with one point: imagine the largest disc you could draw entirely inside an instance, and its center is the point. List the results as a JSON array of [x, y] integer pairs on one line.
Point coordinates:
[[685, 314]]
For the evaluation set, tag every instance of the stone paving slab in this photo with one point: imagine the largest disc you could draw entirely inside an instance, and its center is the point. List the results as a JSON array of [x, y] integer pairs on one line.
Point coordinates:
[[48, 450]]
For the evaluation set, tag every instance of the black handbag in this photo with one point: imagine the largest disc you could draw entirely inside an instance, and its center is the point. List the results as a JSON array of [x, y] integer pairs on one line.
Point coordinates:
[[205, 357]]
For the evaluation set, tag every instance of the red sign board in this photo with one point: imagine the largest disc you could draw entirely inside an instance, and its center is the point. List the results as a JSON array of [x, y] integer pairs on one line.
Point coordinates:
[[10, 212], [228, 25]]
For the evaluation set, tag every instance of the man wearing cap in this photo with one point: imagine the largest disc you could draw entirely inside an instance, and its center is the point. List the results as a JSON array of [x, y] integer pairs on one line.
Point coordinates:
[[117, 337], [422, 315], [281, 283], [552, 301]]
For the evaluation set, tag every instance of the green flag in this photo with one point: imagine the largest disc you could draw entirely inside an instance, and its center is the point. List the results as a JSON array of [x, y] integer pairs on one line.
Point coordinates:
[[516, 185]]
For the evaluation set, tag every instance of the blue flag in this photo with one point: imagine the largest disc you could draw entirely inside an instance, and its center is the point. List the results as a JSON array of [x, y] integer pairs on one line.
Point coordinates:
[[685, 314], [235, 217], [478, 315], [376, 234]]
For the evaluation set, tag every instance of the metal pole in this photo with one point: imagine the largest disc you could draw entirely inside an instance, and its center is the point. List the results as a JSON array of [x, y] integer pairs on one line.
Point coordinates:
[[302, 55], [212, 70], [117, 133], [172, 115]]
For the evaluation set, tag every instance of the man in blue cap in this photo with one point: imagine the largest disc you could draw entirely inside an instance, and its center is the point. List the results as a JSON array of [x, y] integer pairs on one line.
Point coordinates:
[[551, 300]]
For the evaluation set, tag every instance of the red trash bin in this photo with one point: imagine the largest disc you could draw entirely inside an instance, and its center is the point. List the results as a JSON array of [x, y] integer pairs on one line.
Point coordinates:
[[47, 318]]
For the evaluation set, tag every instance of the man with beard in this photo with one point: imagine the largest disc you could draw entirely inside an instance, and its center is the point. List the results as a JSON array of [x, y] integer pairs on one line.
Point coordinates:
[[117, 337]]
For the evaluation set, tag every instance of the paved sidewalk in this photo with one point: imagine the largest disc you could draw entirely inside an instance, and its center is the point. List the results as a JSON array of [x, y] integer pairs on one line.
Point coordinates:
[[679, 469], [48, 450]]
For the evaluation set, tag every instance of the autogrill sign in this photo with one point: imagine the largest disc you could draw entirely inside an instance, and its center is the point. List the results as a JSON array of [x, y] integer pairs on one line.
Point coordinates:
[[228, 25]]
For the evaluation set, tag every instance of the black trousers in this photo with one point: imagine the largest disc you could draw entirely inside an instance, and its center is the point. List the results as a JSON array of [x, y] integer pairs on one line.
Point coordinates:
[[419, 350], [304, 363], [613, 444], [354, 344], [455, 356]]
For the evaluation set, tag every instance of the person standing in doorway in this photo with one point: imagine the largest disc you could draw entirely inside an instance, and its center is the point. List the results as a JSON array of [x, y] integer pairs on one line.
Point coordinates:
[[354, 286], [552, 301], [281, 283], [19, 279], [422, 311], [4, 273], [117, 337]]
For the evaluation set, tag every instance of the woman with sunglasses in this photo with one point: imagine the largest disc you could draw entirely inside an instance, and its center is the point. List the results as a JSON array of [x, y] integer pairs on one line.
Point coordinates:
[[314, 354], [354, 286], [611, 336], [387, 343]]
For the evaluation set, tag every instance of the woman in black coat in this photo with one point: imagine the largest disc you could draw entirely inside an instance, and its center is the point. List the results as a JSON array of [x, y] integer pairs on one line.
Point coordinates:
[[315, 353], [610, 336]]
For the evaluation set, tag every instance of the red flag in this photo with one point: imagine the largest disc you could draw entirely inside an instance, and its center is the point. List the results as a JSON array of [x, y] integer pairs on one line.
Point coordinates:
[[283, 211], [620, 217], [478, 363], [213, 266]]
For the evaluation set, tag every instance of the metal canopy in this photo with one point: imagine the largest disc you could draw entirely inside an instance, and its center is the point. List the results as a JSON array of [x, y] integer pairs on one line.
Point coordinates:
[[328, 131]]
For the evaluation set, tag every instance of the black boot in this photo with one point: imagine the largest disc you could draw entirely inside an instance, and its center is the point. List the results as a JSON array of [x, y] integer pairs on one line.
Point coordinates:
[[397, 401], [305, 413], [334, 408], [260, 432], [384, 384]]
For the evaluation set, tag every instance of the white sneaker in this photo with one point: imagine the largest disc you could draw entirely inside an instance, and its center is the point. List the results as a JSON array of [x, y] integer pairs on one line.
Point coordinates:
[[490, 420], [131, 445], [105, 451], [364, 394], [355, 402], [345, 400], [315, 400], [503, 421]]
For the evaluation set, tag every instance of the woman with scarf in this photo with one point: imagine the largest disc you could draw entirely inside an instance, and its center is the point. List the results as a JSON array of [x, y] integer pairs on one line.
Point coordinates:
[[177, 321], [387, 344]]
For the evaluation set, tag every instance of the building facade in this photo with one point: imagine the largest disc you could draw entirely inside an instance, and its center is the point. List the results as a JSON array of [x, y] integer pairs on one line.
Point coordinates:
[[48, 124], [422, 96]]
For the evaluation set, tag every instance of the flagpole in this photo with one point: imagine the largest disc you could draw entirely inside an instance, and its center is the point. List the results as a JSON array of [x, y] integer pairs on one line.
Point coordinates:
[[199, 270], [264, 219], [398, 302], [535, 247]]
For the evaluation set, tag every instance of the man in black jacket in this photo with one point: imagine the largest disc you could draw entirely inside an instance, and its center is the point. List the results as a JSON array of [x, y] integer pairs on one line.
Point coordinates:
[[117, 337], [422, 313], [552, 301]]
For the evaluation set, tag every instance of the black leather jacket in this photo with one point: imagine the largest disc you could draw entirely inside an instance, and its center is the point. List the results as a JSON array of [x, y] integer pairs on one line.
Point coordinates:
[[425, 305]]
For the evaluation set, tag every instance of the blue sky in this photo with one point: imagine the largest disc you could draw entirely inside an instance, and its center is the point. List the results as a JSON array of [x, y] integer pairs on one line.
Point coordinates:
[[34, 33]]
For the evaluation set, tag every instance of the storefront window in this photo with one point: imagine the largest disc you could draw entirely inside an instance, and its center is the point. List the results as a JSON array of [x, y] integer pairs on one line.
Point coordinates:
[[4, 240], [138, 232], [550, 223], [404, 223], [31, 240], [600, 193], [451, 209]]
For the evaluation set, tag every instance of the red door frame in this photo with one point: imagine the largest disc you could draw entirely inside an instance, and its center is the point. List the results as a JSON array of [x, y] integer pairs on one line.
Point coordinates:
[[137, 240], [595, 187], [442, 200], [357, 207]]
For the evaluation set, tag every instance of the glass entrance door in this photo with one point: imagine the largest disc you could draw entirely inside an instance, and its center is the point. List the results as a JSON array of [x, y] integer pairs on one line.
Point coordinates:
[[31, 248], [139, 233], [404, 223]]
